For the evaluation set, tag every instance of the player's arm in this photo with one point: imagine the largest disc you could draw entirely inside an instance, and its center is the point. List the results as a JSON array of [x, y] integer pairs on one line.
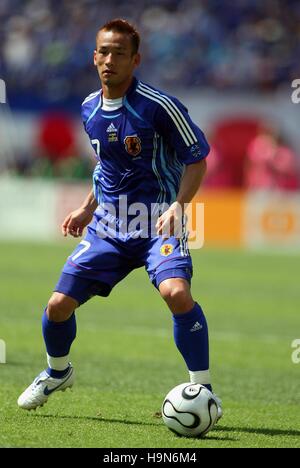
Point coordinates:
[[174, 123], [191, 182], [171, 220], [77, 220]]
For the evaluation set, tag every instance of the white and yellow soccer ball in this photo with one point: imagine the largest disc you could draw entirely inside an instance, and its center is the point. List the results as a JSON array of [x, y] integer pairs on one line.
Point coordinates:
[[190, 410]]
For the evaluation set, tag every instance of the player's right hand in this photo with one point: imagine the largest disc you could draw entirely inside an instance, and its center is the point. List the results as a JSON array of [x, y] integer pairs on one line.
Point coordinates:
[[75, 222]]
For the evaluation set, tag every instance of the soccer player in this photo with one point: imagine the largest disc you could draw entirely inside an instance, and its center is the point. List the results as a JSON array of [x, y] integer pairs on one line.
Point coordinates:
[[150, 152]]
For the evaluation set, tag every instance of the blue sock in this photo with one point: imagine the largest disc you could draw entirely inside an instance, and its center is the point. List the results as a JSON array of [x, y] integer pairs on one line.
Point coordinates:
[[58, 337], [57, 374], [191, 338]]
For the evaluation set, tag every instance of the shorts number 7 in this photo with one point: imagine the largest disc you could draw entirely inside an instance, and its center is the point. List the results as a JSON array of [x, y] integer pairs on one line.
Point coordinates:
[[86, 244]]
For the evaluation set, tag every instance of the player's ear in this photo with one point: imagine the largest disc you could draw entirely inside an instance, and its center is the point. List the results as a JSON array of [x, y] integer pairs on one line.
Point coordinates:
[[137, 59], [95, 57]]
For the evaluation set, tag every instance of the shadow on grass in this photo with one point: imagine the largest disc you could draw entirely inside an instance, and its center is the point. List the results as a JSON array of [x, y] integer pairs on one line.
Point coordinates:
[[250, 430], [123, 421], [261, 430], [96, 418]]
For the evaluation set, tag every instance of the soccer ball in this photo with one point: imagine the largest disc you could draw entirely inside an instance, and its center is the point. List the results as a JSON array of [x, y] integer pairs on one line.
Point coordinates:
[[190, 410]]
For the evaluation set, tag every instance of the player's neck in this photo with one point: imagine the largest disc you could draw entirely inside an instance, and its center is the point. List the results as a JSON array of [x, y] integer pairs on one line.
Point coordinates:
[[115, 92]]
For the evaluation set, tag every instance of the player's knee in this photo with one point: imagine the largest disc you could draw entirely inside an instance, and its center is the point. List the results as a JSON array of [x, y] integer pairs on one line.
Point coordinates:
[[60, 307], [175, 291]]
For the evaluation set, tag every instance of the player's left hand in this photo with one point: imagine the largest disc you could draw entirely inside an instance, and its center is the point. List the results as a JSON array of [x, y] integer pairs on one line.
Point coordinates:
[[170, 223], [76, 221]]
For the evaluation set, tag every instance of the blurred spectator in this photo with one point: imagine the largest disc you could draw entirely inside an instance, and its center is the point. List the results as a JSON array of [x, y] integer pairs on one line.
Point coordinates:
[[246, 154], [216, 43], [270, 164], [260, 154], [286, 170], [46, 56]]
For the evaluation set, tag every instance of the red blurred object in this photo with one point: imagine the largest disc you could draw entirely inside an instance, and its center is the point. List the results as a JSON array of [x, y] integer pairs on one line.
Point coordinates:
[[271, 164], [287, 176], [230, 140], [56, 136], [259, 169], [217, 175]]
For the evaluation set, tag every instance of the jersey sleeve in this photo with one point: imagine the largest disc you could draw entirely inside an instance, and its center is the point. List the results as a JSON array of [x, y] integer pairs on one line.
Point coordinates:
[[88, 107], [172, 121], [84, 115]]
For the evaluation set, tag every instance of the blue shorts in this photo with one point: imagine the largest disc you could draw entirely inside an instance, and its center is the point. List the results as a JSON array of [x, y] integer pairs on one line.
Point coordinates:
[[97, 265]]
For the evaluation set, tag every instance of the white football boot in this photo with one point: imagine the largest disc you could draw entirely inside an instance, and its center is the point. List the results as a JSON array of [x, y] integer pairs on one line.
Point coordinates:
[[42, 387]]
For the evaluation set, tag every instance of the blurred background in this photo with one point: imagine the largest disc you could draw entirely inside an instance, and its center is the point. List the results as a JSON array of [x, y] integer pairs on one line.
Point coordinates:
[[231, 63]]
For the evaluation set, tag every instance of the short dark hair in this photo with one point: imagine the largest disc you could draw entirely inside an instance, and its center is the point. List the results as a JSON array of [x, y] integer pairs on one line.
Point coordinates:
[[122, 26]]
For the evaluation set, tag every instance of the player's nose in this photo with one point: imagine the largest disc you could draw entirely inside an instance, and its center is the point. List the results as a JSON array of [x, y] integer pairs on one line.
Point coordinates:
[[109, 59]]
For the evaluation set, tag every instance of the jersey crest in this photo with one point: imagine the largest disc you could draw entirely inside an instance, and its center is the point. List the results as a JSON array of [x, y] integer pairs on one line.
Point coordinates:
[[166, 250], [133, 145]]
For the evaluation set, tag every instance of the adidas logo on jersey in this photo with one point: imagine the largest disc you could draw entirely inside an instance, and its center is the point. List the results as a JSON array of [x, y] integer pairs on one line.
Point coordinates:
[[112, 133], [111, 128], [196, 327]]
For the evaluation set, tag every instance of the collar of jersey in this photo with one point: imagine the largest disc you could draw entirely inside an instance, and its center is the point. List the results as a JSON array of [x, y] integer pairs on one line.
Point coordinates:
[[115, 113]]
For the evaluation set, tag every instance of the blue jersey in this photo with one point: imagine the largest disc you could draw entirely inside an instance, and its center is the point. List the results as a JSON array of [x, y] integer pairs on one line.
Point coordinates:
[[142, 147], [141, 151]]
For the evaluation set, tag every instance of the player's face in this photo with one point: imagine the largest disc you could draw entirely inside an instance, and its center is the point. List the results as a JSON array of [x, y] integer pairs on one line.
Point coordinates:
[[114, 58]]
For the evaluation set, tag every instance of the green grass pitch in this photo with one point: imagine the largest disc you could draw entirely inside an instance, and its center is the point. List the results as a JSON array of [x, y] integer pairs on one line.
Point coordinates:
[[126, 361]]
